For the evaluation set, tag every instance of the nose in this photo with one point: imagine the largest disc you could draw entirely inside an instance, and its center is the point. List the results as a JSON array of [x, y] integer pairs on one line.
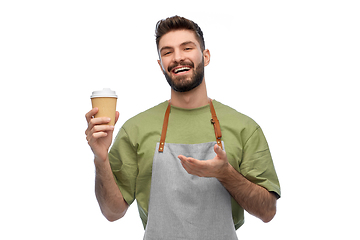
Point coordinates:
[[178, 56]]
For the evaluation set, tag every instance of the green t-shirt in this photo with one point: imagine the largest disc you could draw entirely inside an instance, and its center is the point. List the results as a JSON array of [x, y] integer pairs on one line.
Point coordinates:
[[131, 155]]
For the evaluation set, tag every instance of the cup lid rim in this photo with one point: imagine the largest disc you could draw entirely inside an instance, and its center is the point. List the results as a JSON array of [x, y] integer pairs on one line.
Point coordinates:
[[106, 92]]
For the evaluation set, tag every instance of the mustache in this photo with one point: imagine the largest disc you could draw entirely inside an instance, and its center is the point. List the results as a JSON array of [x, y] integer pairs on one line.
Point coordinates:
[[181, 63]]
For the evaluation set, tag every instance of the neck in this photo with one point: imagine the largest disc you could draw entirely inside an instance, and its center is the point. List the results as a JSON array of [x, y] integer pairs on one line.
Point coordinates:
[[195, 98]]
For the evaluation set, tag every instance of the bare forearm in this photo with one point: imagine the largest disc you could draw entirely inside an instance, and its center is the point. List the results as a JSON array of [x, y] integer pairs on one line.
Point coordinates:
[[253, 198], [111, 201]]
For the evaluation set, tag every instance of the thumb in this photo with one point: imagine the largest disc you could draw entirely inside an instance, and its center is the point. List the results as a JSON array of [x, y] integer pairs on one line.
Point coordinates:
[[221, 153]]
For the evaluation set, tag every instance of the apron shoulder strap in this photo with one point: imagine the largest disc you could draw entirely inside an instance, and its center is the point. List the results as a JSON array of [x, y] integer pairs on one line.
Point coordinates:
[[216, 123], [164, 128]]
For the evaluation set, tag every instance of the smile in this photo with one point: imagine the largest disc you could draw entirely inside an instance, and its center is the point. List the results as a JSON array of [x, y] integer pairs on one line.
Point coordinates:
[[181, 69]]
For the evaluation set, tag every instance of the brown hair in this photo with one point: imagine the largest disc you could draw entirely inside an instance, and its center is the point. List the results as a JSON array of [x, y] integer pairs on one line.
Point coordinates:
[[176, 23]]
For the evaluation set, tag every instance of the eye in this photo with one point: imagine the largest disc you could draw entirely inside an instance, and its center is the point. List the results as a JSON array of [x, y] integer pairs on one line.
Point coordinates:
[[166, 53]]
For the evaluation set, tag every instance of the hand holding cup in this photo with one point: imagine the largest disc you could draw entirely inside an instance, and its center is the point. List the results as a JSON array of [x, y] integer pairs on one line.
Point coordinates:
[[101, 120]]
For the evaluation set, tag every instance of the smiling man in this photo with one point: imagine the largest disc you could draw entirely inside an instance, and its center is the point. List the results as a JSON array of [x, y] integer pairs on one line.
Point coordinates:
[[192, 163]]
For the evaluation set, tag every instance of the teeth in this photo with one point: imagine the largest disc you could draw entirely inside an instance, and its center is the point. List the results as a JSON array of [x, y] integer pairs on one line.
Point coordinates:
[[181, 69]]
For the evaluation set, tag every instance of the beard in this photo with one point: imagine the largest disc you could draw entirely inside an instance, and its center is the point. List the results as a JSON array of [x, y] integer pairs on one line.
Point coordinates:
[[186, 83]]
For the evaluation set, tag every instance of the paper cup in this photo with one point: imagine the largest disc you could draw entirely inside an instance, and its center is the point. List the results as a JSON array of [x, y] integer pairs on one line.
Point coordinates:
[[105, 101]]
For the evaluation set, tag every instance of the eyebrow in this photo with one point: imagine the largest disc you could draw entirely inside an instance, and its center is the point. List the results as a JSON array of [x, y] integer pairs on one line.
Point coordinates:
[[182, 44], [187, 42]]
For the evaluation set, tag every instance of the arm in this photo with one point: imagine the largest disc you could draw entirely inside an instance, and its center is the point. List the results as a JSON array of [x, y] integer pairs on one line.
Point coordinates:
[[253, 198], [111, 202], [99, 136]]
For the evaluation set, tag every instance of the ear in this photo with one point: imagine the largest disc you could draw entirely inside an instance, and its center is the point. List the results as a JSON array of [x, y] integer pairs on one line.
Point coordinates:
[[161, 66], [206, 54]]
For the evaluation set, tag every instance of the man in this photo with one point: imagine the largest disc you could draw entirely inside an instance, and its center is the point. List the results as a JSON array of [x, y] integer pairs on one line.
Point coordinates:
[[193, 164]]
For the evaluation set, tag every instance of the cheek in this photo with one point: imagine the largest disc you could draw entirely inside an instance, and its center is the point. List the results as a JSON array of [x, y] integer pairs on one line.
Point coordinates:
[[198, 59], [164, 65]]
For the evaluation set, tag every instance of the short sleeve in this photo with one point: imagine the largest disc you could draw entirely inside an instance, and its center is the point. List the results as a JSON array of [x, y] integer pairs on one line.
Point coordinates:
[[257, 165], [122, 157]]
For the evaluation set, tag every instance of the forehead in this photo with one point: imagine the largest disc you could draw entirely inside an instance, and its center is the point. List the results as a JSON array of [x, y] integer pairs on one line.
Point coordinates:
[[177, 37]]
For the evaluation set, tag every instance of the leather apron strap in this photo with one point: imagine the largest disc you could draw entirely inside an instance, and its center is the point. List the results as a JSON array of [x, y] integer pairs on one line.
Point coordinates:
[[216, 123], [164, 128], [214, 120]]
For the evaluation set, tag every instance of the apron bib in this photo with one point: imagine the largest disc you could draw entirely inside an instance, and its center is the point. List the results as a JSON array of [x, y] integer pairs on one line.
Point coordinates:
[[184, 206]]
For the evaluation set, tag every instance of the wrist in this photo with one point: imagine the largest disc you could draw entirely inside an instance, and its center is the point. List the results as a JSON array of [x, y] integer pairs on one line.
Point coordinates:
[[225, 173], [100, 160]]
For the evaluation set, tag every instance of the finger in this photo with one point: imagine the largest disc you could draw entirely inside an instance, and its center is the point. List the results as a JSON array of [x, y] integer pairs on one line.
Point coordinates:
[[186, 166], [93, 137], [96, 121], [102, 128], [90, 114], [192, 162], [181, 157], [99, 135], [117, 116], [186, 160], [98, 128]]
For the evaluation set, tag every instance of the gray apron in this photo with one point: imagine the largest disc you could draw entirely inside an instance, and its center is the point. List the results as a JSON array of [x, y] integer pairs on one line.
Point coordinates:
[[184, 206]]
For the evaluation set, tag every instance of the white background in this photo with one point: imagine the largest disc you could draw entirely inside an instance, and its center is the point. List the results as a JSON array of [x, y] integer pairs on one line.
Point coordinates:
[[293, 66]]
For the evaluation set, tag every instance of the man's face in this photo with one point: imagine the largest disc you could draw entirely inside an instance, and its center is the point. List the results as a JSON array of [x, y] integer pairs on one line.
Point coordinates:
[[182, 60]]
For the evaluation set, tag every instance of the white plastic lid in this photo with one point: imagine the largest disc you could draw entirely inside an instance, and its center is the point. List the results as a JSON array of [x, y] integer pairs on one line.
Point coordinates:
[[106, 92]]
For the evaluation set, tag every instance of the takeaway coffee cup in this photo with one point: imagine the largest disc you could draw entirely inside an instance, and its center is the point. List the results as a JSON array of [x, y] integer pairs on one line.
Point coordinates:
[[105, 101]]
